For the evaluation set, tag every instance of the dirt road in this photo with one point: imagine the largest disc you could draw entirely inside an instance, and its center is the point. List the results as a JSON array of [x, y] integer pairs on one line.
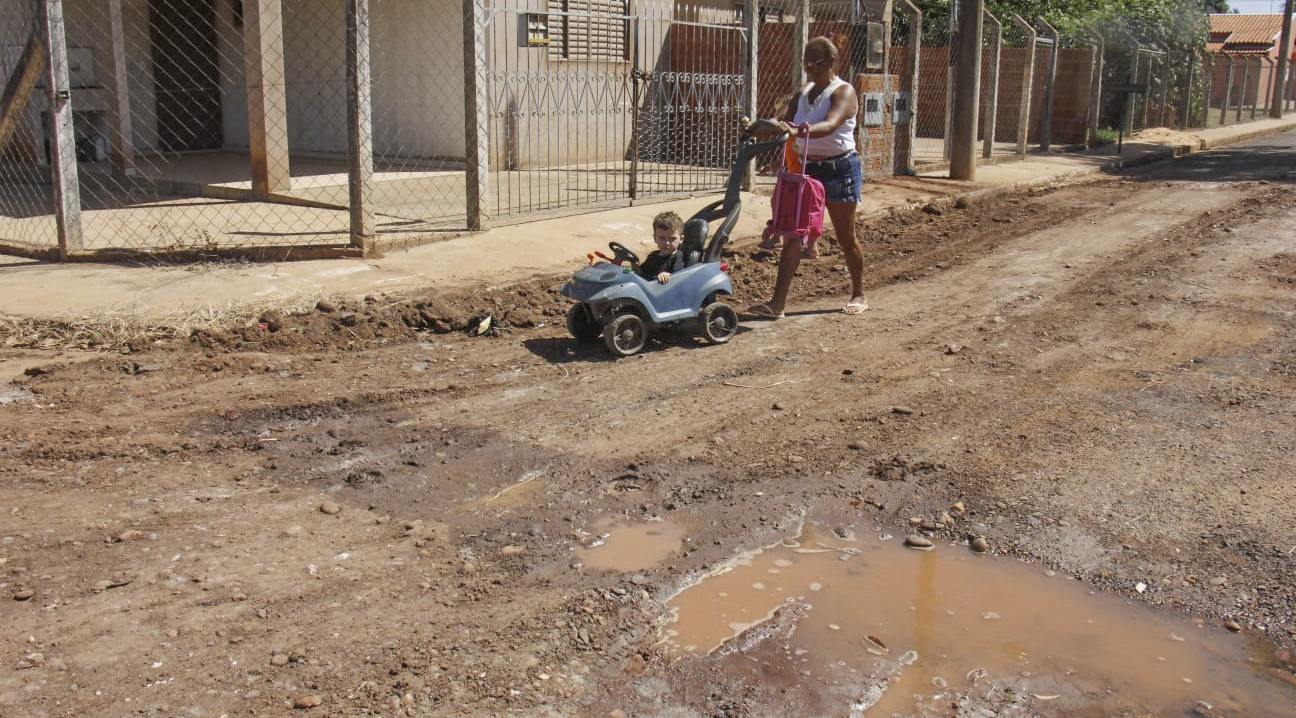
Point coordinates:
[[361, 510]]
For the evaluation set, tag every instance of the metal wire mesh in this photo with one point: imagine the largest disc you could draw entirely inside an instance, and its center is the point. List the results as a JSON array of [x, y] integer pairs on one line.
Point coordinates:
[[26, 206], [344, 125]]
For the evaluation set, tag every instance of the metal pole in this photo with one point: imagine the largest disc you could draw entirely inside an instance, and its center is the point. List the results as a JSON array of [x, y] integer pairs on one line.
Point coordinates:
[[1028, 82], [1095, 87], [1049, 83], [801, 37], [915, 52], [1246, 78], [1228, 90], [988, 125], [967, 91], [63, 161], [476, 116], [1165, 83], [1284, 51], [1185, 113], [751, 25], [359, 123], [1128, 116], [1255, 101]]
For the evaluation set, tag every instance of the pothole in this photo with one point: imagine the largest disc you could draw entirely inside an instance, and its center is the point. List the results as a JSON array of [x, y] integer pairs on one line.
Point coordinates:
[[619, 546], [887, 630]]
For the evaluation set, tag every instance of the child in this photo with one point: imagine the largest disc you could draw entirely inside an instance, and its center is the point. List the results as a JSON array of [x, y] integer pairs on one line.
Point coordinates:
[[667, 257]]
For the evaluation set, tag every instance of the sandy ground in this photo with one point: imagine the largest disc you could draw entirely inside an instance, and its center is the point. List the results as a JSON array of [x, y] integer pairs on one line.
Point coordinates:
[[361, 510]]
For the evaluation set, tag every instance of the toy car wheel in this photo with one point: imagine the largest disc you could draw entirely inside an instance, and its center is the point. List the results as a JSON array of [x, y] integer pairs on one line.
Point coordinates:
[[718, 322], [625, 335], [581, 324]]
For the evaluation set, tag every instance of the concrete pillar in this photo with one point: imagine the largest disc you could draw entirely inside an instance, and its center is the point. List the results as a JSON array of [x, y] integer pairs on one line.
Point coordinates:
[[1095, 86], [991, 114], [359, 125], [1028, 83], [1228, 90], [110, 54], [914, 62], [1050, 83], [1284, 45], [476, 116], [63, 162], [800, 37], [263, 51], [751, 75], [967, 91]]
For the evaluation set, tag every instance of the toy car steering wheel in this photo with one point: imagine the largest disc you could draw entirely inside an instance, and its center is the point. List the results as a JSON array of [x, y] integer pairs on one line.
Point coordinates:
[[621, 253]]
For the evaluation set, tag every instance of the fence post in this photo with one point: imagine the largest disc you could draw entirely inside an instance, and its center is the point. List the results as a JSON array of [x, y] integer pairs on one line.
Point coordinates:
[[992, 105], [267, 105], [476, 121], [1049, 83], [1228, 90], [1246, 80], [751, 25], [359, 123], [800, 37], [1185, 113], [1165, 82], [1277, 101], [1095, 86], [915, 53], [1028, 82], [121, 133], [967, 91], [1255, 101], [63, 162], [1128, 120]]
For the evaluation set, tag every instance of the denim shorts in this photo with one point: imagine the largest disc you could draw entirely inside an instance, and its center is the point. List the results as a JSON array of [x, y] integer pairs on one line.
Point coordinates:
[[841, 176]]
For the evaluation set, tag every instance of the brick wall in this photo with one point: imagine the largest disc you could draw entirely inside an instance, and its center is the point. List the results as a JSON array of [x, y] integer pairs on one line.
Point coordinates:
[[877, 144]]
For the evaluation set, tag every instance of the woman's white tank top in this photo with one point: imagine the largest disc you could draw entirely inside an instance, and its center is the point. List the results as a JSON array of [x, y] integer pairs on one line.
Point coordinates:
[[841, 140]]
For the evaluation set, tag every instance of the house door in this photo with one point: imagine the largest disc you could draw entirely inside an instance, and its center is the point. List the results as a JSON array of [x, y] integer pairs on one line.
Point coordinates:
[[185, 74]]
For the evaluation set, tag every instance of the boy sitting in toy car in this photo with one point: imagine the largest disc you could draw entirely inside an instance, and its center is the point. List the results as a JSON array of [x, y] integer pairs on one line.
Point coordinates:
[[668, 257]]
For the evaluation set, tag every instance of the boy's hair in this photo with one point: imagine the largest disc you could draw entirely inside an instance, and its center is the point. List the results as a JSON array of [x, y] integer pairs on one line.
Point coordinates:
[[668, 221]]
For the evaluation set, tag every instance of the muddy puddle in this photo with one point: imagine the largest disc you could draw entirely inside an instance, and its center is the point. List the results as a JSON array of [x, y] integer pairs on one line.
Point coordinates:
[[619, 546], [880, 629]]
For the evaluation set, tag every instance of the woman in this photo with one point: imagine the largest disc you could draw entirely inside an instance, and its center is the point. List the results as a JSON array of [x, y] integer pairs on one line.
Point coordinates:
[[827, 105]]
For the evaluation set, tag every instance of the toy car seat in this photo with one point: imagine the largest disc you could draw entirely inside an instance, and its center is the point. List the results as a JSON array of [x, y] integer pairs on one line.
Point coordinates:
[[694, 240]]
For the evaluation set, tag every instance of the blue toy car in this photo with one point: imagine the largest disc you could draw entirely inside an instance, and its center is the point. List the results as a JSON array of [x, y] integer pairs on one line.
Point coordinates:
[[626, 309]]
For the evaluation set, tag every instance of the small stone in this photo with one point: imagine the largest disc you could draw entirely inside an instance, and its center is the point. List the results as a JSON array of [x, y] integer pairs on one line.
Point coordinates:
[[918, 542], [330, 508], [325, 307], [279, 659], [618, 713], [953, 348], [958, 509], [855, 446], [777, 406], [24, 594], [1233, 626], [130, 535], [56, 664], [902, 410], [512, 550], [980, 545], [1218, 581], [313, 700]]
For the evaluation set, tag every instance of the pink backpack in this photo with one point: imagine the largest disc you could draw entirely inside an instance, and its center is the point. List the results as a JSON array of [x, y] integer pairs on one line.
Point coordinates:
[[798, 203]]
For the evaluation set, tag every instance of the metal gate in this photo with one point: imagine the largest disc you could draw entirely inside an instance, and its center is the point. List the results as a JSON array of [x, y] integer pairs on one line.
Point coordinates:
[[592, 104]]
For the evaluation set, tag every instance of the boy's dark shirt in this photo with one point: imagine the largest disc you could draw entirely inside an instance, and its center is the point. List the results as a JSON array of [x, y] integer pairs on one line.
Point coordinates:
[[656, 263]]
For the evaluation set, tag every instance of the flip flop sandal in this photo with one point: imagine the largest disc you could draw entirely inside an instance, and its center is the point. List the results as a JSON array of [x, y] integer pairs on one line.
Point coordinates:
[[763, 310], [855, 306]]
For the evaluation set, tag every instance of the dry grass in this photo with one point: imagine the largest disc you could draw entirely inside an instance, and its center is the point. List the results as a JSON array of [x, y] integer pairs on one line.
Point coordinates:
[[120, 327]]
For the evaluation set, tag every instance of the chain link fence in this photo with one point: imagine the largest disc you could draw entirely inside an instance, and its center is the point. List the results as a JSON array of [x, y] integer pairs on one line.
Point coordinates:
[[297, 128]]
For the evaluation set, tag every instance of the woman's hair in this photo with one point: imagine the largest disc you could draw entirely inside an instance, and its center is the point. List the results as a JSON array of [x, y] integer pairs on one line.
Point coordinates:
[[828, 45]]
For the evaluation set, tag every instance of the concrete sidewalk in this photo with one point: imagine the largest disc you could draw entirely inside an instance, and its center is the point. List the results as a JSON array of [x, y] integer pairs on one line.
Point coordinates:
[[41, 290]]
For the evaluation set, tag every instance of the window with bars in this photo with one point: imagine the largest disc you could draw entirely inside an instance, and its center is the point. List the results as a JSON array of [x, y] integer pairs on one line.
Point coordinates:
[[589, 30]]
